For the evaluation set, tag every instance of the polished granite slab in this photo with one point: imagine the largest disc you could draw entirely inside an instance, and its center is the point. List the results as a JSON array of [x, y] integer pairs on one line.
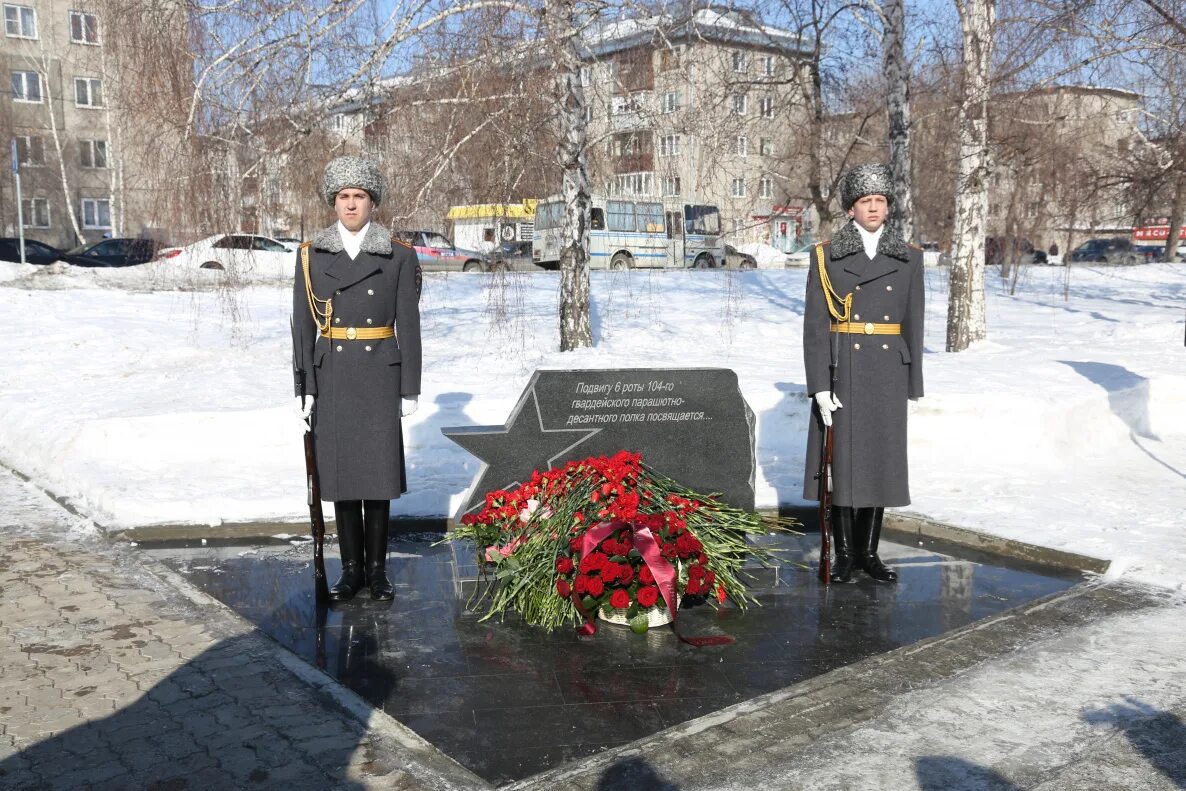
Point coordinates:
[[508, 700]]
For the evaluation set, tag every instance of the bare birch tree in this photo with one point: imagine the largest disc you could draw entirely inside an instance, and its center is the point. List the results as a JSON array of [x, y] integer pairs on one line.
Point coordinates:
[[897, 77], [966, 311]]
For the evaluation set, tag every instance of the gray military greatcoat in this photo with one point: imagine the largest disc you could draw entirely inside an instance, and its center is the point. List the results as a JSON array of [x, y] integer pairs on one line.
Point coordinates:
[[358, 383], [875, 374]]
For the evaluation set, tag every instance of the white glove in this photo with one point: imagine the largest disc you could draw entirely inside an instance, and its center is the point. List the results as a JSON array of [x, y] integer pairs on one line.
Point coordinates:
[[408, 404], [828, 403], [302, 408]]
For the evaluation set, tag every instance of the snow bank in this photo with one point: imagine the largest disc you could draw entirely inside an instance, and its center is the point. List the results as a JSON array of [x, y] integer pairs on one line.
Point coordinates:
[[1067, 428]]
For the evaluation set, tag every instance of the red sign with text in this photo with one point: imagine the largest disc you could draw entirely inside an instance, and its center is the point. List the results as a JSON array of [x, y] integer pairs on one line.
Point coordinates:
[[1155, 233]]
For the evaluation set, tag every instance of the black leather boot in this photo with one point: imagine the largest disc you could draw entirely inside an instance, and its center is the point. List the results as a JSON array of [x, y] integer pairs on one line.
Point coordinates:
[[348, 514], [378, 514], [842, 544], [868, 535]]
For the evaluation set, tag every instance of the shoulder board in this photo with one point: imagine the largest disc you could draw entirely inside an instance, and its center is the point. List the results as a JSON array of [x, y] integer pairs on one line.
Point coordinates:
[[825, 241], [401, 241], [306, 244]]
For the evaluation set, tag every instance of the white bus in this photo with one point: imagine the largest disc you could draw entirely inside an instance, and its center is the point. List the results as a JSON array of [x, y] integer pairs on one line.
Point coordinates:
[[625, 234]]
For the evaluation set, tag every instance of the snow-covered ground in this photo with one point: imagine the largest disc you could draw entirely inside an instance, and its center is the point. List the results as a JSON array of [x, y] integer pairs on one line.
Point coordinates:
[[1067, 428]]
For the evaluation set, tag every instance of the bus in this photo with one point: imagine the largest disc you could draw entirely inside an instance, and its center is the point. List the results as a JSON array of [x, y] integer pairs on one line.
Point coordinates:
[[629, 234]]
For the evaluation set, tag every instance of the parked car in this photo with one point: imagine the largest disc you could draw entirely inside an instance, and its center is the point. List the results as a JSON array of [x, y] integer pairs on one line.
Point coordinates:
[[735, 259], [291, 242], [243, 254], [515, 257], [35, 252], [997, 248], [1107, 251], [438, 254], [114, 252]]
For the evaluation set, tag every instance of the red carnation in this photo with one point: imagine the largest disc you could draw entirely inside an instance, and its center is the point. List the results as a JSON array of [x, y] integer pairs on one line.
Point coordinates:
[[564, 564], [645, 576], [647, 596], [620, 599], [625, 574], [582, 583], [595, 586], [563, 588]]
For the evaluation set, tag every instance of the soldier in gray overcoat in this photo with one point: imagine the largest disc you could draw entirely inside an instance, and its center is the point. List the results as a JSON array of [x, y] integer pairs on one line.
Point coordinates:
[[864, 316], [356, 362]]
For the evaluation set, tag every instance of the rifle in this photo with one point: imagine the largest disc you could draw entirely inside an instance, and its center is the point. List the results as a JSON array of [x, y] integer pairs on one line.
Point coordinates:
[[824, 476], [320, 585]]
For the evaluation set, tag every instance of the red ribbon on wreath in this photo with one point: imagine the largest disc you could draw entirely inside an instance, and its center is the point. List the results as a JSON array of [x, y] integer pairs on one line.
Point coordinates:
[[665, 575]]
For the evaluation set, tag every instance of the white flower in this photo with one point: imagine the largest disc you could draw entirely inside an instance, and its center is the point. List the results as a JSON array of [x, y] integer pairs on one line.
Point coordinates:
[[532, 507]]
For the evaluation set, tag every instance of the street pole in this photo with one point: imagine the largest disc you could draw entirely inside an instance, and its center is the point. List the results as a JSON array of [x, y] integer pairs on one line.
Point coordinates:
[[20, 213]]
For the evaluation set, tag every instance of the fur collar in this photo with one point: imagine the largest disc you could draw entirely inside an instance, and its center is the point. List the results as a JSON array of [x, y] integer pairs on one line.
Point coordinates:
[[377, 240], [848, 241]]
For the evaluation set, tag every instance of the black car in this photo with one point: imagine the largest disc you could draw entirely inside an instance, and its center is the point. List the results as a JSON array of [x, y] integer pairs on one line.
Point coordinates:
[[1107, 251], [114, 252], [35, 252], [998, 249], [735, 259], [514, 257]]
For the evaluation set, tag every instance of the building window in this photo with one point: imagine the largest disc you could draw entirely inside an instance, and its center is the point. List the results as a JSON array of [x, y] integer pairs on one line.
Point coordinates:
[[35, 212], [586, 76], [96, 213], [633, 184], [20, 21], [589, 112], [26, 86], [30, 150], [766, 105], [623, 105], [671, 102], [765, 188], [84, 28], [739, 104], [670, 58], [738, 189], [669, 145], [768, 66], [764, 147], [88, 92], [740, 62], [671, 186], [94, 153], [743, 146]]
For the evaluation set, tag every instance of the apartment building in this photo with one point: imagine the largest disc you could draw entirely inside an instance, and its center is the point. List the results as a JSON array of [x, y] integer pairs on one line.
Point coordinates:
[[83, 144]]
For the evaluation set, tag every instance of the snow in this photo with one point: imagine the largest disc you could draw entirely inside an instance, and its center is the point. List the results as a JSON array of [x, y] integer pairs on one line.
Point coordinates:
[[767, 256], [144, 405]]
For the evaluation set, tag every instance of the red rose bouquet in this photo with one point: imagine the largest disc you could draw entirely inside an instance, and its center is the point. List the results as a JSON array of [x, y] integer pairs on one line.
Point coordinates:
[[611, 537]]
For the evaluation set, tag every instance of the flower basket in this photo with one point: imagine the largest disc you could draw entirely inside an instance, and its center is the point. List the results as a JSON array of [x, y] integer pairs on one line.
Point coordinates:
[[611, 538]]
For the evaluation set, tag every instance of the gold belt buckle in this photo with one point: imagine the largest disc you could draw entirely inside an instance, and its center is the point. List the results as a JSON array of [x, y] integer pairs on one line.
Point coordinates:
[[352, 333], [868, 328]]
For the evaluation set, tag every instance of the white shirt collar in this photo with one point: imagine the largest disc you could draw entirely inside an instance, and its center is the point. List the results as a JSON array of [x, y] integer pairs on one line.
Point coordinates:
[[352, 241], [869, 239]]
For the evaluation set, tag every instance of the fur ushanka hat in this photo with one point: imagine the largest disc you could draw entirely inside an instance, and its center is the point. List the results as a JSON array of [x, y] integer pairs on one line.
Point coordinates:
[[866, 180], [354, 172]]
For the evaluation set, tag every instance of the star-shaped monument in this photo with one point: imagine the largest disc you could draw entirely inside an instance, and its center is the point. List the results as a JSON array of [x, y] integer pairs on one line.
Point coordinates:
[[511, 453]]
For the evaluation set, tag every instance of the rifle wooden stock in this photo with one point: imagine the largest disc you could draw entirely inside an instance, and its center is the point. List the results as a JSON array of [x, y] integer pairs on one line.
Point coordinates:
[[825, 508], [317, 518]]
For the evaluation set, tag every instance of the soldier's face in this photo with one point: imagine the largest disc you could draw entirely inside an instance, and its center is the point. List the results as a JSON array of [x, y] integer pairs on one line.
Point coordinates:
[[353, 207], [870, 212]]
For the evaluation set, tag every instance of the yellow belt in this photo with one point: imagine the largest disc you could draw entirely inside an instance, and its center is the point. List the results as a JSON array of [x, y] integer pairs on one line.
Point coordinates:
[[358, 333], [868, 328]]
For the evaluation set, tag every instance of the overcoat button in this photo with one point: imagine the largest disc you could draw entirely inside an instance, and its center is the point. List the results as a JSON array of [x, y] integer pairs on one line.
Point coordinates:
[[339, 348], [371, 292], [884, 346], [855, 346], [889, 288], [856, 317], [370, 321], [337, 319], [885, 318], [339, 291], [369, 348], [858, 288]]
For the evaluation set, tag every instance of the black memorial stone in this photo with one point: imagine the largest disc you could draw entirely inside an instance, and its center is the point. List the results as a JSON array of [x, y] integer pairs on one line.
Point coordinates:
[[690, 424]]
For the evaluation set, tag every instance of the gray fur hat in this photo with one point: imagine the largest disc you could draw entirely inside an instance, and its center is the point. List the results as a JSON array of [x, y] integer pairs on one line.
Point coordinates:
[[866, 180], [354, 172]]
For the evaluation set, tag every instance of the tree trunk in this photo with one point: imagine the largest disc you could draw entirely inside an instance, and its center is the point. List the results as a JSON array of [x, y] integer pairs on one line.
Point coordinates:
[[1177, 210], [821, 200], [575, 329], [897, 74], [965, 307]]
